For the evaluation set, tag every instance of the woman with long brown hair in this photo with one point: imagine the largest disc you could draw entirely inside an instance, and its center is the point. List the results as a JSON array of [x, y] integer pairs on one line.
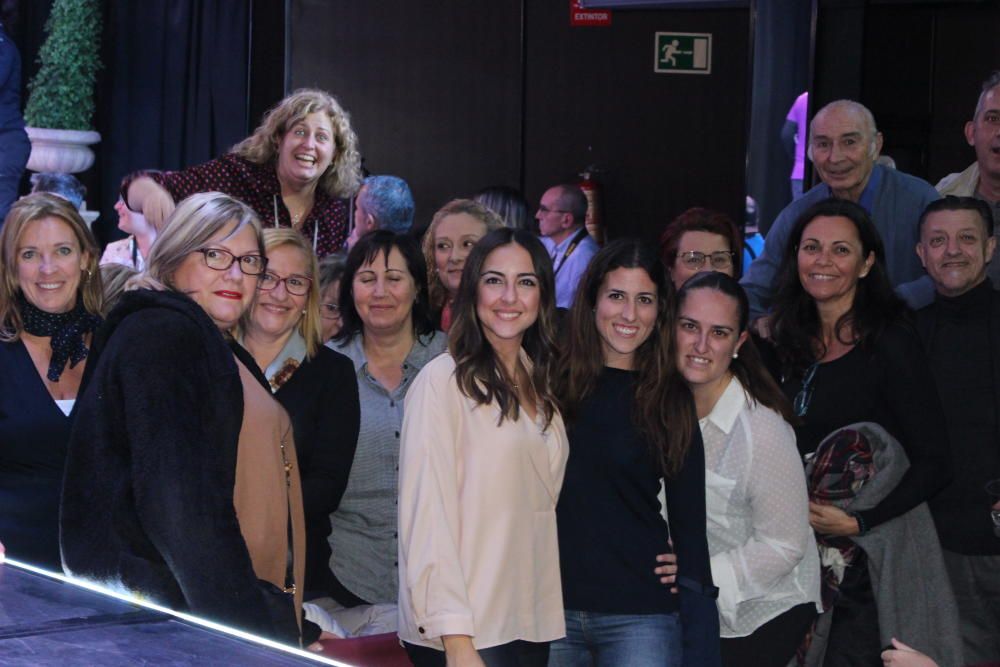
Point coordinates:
[[481, 463], [631, 425]]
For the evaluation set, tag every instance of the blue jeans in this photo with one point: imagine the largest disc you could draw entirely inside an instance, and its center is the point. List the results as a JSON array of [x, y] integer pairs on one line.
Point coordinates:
[[618, 640]]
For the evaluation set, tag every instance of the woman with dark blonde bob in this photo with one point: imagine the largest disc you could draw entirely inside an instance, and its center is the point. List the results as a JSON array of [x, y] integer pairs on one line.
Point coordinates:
[[315, 385], [50, 300], [182, 483], [481, 463], [296, 170]]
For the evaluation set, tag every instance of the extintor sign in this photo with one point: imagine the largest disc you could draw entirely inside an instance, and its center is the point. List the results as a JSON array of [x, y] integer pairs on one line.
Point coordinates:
[[580, 15]]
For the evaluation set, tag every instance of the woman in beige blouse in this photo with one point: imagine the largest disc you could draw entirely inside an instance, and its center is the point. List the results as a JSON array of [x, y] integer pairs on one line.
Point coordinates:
[[481, 464]]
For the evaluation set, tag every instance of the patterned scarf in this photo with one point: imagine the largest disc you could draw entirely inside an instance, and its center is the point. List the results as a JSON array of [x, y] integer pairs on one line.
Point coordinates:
[[285, 364], [66, 331], [842, 464]]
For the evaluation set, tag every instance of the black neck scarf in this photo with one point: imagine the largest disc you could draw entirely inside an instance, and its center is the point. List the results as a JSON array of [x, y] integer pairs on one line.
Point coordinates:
[[66, 331]]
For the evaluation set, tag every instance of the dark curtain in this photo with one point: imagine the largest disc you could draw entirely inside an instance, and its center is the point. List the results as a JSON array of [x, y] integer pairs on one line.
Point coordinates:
[[782, 50], [173, 92]]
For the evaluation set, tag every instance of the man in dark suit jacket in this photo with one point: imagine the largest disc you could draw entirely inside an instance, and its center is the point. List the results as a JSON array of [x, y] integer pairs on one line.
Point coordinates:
[[14, 144]]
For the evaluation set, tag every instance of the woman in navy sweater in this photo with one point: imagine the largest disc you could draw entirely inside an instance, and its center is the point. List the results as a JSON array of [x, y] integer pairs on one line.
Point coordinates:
[[631, 424]]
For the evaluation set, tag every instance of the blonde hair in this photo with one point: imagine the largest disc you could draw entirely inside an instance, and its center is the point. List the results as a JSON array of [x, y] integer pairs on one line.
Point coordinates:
[[189, 228], [25, 211], [436, 291], [114, 277], [310, 325], [343, 177]]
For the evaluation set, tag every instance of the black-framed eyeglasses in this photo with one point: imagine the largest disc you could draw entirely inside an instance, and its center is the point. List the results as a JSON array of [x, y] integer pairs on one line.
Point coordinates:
[[720, 259], [294, 284], [329, 311], [220, 260], [545, 209], [801, 402]]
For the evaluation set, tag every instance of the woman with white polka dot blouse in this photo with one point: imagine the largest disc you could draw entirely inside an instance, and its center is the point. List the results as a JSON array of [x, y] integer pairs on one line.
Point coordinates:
[[763, 553]]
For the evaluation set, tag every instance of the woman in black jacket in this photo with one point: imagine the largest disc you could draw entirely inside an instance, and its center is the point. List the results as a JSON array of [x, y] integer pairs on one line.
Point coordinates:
[[182, 484], [849, 354]]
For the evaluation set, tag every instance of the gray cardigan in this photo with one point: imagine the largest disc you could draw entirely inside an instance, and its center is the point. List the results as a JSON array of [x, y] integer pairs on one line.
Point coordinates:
[[910, 584]]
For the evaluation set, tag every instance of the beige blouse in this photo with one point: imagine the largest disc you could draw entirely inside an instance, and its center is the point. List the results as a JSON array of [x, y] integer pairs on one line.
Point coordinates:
[[264, 491], [478, 552]]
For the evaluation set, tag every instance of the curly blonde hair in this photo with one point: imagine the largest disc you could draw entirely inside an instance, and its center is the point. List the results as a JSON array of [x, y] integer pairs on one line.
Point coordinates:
[[343, 177], [436, 291]]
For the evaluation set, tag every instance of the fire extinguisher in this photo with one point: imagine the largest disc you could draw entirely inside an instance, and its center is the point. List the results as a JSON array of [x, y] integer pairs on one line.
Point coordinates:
[[592, 191]]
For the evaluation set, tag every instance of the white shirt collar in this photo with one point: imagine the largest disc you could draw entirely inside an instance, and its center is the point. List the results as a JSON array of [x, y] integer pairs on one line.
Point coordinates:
[[728, 407]]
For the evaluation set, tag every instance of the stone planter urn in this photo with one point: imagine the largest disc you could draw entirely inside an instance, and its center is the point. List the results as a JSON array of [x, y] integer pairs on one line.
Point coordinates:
[[62, 151]]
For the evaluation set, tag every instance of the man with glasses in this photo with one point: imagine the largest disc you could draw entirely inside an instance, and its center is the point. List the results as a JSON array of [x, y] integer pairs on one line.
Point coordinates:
[[844, 145], [561, 215]]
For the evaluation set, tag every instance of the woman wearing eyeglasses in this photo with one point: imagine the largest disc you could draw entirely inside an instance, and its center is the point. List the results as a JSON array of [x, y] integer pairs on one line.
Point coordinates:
[[331, 270], [182, 482], [314, 384], [700, 239], [848, 354]]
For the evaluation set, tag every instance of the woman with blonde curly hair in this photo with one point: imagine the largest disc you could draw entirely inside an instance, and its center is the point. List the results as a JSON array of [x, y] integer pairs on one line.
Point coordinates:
[[453, 231], [296, 170]]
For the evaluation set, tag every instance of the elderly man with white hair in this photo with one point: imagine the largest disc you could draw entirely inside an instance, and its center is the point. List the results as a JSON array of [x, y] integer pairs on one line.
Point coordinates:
[[844, 145]]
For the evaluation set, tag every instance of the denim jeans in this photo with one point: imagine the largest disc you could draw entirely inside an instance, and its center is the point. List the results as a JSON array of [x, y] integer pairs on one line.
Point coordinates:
[[618, 640]]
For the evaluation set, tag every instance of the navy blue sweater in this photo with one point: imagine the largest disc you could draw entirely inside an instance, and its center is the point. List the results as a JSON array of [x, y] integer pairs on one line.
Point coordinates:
[[610, 525]]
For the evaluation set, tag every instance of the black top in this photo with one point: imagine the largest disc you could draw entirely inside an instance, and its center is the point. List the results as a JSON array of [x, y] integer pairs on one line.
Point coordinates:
[[33, 436], [961, 336], [151, 465], [891, 385], [321, 398], [610, 525]]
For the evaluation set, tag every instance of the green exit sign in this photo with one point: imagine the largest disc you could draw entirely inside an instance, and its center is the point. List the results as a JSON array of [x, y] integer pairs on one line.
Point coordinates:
[[683, 53]]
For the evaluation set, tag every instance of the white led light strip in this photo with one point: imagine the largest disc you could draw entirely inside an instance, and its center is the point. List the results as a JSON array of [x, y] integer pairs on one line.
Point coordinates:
[[205, 623]]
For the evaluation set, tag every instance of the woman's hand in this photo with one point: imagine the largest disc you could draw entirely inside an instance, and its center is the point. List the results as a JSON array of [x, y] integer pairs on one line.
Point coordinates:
[[668, 570], [830, 520], [151, 199], [902, 655], [317, 646], [459, 652], [762, 326]]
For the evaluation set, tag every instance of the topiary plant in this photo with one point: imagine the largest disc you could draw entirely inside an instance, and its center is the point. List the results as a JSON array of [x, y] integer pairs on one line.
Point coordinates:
[[62, 92]]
